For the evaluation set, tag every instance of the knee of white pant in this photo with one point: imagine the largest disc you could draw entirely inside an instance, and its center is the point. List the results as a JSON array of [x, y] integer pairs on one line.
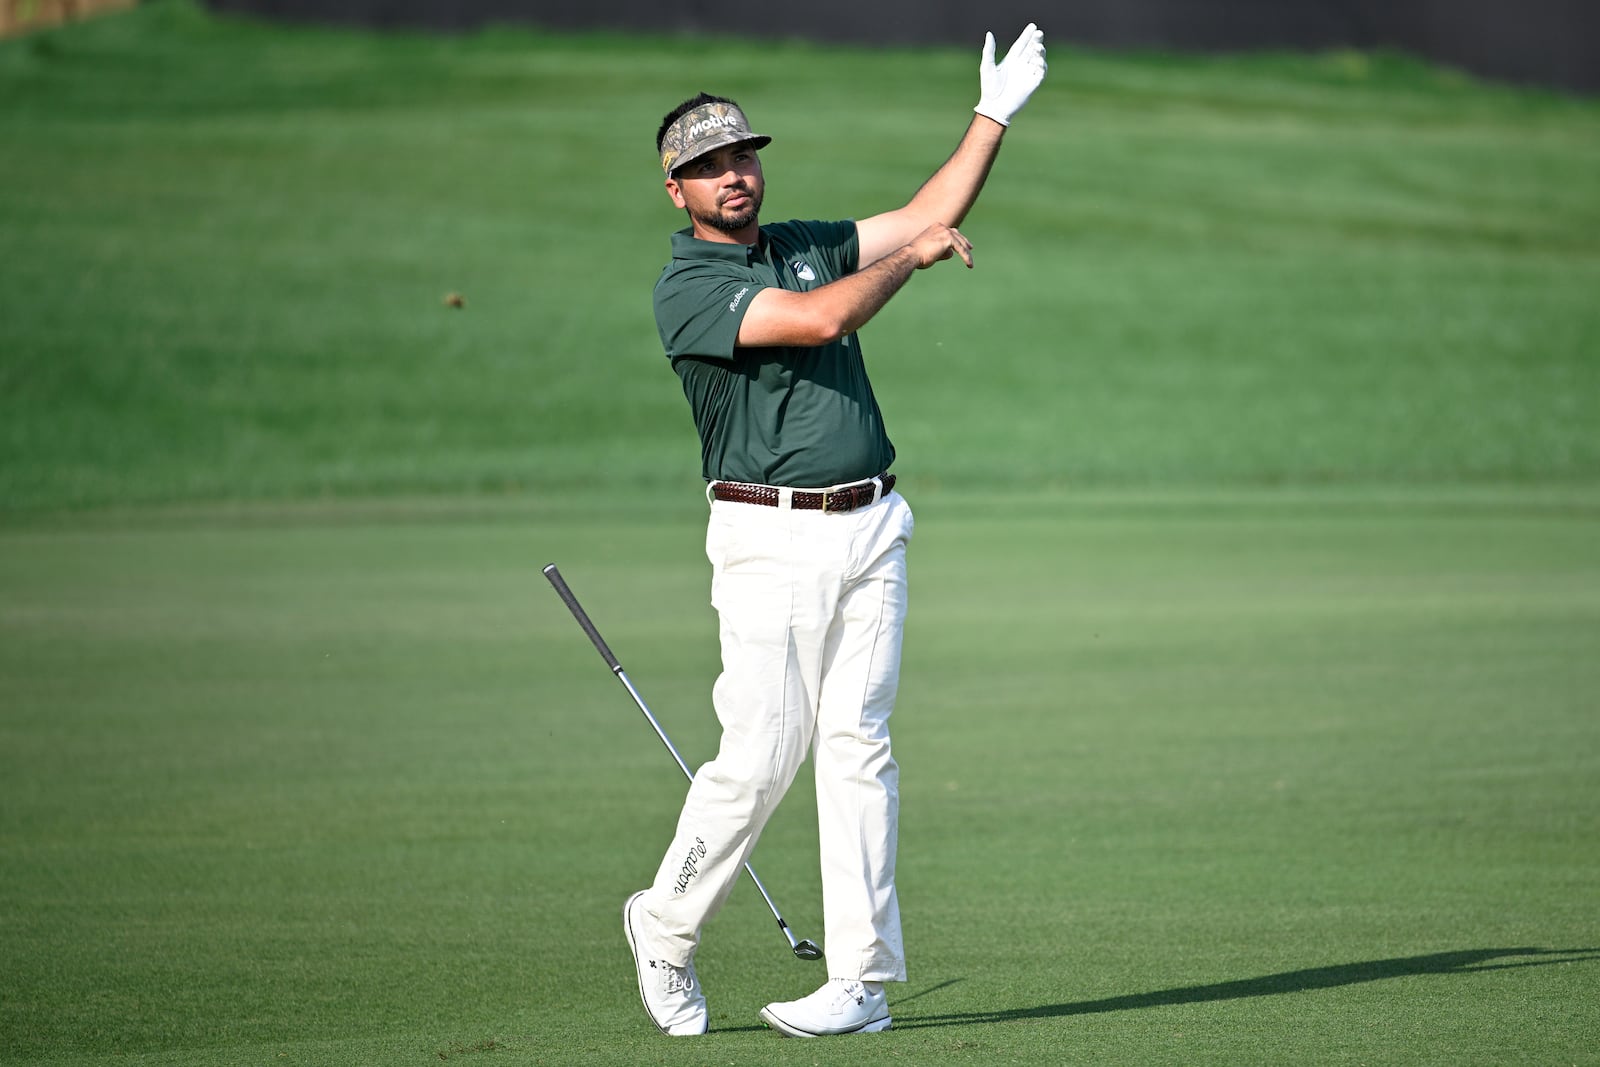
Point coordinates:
[[747, 781], [861, 733], [765, 735]]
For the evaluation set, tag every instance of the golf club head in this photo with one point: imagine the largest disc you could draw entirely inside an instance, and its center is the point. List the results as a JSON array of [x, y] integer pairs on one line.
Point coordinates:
[[807, 949]]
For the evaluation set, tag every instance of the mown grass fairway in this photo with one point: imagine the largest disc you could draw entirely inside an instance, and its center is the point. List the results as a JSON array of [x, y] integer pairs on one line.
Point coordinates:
[[1250, 706], [1207, 778]]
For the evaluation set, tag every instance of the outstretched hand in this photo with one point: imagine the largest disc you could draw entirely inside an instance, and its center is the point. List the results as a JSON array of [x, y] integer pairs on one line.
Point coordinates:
[[1006, 86]]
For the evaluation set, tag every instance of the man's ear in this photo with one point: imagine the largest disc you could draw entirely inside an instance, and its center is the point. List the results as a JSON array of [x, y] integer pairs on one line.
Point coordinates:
[[676, 193]]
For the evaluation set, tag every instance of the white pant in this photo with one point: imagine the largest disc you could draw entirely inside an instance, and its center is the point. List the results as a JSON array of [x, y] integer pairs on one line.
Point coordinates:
[[812, 607]]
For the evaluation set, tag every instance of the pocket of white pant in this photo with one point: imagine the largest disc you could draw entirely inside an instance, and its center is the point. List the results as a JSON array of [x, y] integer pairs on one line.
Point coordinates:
[[729, 542], [717, 538]]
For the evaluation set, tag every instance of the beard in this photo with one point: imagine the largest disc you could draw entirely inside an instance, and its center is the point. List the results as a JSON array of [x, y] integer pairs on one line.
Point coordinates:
[[730, 222]]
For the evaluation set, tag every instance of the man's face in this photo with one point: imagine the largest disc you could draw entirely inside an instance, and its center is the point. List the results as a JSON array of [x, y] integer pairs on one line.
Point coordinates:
[[721, 190]]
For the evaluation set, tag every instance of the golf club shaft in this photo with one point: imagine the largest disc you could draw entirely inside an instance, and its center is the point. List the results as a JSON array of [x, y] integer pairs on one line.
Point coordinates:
[[565, 593]]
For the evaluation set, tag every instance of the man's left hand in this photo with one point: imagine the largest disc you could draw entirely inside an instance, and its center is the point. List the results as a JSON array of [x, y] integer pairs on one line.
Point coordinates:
[[1006, 86]]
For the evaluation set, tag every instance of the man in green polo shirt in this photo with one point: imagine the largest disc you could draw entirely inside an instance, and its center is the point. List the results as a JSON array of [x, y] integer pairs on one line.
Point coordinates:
[[806, 538]]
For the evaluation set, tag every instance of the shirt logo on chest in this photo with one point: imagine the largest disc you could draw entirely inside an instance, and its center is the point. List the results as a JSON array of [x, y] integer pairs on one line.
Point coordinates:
[[803, 271]]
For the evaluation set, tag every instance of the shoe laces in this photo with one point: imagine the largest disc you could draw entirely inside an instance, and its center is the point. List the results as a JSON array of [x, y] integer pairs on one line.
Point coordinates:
[[674, 979], [849, 989]]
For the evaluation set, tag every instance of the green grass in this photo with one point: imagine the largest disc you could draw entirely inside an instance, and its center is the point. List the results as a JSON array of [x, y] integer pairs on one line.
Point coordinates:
[[1249, 711], [1206, 778], [224, 250]]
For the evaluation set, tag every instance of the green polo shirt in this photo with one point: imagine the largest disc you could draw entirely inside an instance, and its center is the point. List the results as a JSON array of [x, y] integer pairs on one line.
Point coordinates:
[[801, 417]]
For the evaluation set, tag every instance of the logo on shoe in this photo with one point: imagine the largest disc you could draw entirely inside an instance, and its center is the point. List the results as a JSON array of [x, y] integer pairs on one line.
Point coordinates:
[[691, 865]]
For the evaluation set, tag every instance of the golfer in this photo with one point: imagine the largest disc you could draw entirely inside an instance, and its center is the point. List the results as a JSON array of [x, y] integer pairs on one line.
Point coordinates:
[[807, 537]]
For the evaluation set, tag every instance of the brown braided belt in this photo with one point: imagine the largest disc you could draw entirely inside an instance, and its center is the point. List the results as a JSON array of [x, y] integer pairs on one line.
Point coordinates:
[[846, 498]]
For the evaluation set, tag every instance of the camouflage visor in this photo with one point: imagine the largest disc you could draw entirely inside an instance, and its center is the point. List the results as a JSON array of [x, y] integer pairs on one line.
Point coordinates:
[[706, 129]]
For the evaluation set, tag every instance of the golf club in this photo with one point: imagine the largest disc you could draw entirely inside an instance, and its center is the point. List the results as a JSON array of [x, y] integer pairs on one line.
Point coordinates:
[[805, 948]]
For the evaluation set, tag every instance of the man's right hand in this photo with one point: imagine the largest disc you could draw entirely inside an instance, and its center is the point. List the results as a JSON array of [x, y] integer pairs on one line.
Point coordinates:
[[940, 242]]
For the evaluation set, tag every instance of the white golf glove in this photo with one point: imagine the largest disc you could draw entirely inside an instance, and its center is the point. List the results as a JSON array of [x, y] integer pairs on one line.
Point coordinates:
[[1004, 88]]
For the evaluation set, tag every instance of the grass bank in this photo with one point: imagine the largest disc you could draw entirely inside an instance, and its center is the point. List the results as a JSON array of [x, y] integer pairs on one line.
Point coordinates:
[[225, 250]]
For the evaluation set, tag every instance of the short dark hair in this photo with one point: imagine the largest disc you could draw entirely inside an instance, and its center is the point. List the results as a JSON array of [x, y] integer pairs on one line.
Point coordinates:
[[683, 109]]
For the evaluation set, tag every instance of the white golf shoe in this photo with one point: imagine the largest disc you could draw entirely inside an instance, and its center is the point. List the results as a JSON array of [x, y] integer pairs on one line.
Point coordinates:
[[842, 1006], [671, 995]]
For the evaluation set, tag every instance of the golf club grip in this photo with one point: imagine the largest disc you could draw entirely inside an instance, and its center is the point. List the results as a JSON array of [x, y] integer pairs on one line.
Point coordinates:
[[565, 593]]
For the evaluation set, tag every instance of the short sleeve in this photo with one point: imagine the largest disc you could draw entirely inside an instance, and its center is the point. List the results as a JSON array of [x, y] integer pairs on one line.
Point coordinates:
[[699, 310]]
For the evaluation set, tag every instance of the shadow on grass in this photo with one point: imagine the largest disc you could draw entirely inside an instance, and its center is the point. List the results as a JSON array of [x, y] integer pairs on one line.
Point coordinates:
[[1468, 961]]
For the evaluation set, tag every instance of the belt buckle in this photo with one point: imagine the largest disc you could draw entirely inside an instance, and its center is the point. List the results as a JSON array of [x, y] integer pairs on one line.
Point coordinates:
[[824, 501]]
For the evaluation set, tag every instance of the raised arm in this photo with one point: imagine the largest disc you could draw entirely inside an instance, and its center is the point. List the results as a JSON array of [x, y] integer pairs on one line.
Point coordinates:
[[896, 243], [946, 197]]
